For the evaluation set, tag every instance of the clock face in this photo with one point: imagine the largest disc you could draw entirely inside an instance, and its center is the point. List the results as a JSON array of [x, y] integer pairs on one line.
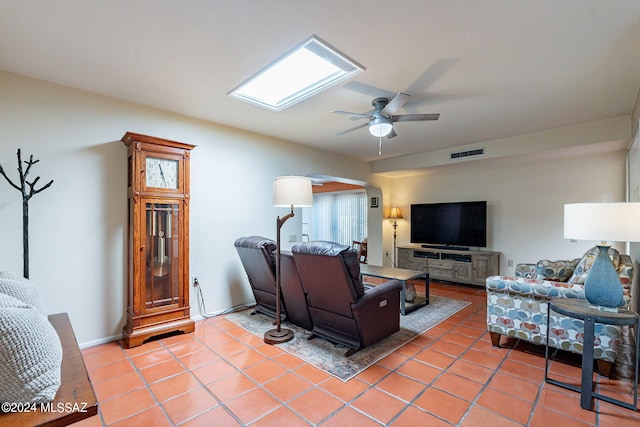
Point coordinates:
[[161, 173]]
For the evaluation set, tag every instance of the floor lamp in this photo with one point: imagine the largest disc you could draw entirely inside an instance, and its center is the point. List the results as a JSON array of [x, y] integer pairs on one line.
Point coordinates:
[[608, 222], [395, 216], [289, 192]]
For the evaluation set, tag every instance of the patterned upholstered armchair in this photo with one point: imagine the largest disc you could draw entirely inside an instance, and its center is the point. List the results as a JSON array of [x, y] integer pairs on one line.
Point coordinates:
[[517, 307]]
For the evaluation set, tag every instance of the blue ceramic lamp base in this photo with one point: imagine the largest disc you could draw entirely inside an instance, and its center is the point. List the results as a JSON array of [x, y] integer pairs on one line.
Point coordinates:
[[602, 287]]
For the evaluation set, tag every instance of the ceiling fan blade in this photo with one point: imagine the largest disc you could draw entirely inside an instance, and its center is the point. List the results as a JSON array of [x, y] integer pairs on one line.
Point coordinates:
[[395, 104], [414, 117], [431, 75], [368, 90], [368, 116], [392, 134], [352, 129]]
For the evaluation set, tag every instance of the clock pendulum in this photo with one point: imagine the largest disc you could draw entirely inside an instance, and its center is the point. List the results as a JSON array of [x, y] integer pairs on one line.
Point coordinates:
[[161, 230]]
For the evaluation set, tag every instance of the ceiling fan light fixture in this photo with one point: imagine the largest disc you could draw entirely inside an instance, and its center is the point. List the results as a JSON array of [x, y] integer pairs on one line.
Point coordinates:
[[380, 126]]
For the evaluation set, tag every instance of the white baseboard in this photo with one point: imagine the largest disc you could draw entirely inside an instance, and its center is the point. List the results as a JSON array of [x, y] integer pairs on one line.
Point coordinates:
[[119, 336], [100, 341]]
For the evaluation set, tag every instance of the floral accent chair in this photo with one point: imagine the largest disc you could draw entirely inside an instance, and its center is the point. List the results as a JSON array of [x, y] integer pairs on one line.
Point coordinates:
[[517, 306]]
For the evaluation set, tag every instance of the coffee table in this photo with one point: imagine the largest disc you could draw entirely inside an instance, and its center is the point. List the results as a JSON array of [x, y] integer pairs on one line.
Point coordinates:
[[403, 276]]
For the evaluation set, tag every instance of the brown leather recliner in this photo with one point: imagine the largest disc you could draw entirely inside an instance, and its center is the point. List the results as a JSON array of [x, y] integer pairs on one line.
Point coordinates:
[[257, 255], [292, 292], [340, 309]]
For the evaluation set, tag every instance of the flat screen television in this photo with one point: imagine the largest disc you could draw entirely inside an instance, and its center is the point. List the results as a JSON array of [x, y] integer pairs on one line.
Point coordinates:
[[457, 225]]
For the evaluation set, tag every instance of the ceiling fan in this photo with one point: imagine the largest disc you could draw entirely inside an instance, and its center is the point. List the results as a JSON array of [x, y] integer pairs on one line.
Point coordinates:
[[383, 115]]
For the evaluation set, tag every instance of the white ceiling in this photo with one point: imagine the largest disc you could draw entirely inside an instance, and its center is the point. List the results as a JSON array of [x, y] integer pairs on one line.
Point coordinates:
[[492, 68]]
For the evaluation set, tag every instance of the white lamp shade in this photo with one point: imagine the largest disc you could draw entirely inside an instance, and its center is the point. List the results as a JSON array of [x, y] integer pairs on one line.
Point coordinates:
[[380, 126], [607, 222], [291, 191], [395, 214]]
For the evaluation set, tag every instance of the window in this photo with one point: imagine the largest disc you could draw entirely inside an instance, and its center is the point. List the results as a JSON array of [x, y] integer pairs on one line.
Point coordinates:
[[339, 217], [307, 69]]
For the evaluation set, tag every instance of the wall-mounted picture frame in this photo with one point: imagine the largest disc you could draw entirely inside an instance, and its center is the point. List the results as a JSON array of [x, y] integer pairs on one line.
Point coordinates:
[[374, 202]]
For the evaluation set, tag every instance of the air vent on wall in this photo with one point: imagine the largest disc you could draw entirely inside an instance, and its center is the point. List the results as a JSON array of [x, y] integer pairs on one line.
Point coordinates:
[[459, 155]]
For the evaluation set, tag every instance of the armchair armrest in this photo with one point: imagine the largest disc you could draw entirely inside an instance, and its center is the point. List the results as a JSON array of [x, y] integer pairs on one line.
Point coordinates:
[[383, 290], [535, 287], [377, 312]]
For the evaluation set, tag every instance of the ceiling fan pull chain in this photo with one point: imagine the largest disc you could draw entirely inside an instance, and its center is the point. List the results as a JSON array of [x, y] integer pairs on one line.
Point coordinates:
[[380, 146]]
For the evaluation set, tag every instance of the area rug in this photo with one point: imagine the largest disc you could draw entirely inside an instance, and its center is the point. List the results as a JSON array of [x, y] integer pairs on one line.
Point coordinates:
[[330, 358]]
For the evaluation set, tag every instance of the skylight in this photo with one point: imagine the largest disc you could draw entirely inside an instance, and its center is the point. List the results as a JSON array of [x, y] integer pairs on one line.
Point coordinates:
[[305, 70]]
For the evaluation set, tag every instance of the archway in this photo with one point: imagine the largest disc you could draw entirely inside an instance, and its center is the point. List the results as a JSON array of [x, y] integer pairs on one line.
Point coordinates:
[[374, 212]]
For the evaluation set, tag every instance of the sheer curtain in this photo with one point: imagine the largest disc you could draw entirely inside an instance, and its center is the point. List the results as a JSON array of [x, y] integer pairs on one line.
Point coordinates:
[[339, 217]]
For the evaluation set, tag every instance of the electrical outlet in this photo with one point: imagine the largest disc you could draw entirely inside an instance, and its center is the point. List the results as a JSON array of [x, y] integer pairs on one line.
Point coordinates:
[[510, 263], [194, 281], [293, 238]]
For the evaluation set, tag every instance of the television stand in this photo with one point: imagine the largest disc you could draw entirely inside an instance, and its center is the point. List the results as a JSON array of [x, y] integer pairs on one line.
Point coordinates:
[[452, 248], [459, 265]]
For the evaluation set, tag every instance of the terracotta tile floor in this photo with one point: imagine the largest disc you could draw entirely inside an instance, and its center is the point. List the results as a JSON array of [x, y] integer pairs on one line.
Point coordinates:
[[451, 375]]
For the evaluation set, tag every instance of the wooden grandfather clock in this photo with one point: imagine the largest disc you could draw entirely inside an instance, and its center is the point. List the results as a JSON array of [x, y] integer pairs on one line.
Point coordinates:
[[158, 239]]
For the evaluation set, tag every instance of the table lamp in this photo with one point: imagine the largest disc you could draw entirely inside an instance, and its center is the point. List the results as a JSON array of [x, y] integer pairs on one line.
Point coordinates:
[[607, 222], [290, 192], [395, 215]]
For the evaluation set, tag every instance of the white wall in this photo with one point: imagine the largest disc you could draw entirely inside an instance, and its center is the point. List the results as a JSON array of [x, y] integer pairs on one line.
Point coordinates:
[[525, 200], [77, 226]]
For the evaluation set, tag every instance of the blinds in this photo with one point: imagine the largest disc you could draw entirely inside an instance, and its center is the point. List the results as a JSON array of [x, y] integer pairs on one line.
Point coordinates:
[[339, 217]]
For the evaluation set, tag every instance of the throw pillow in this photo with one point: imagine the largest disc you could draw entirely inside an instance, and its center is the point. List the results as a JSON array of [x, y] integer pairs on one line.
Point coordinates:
[[528, 271], [23, 289], [30, 354], [582, 269], [555, 271]]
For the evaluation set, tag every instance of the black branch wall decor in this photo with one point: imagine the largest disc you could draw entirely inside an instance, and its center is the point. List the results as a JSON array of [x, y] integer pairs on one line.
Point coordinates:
[[28, 190]]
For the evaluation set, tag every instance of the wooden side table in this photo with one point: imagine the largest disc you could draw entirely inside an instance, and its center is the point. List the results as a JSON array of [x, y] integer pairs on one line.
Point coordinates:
[[578, 309]]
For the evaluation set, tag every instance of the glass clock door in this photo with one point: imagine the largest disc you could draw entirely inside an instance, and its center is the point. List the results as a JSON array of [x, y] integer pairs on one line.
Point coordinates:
[[162, 254]]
